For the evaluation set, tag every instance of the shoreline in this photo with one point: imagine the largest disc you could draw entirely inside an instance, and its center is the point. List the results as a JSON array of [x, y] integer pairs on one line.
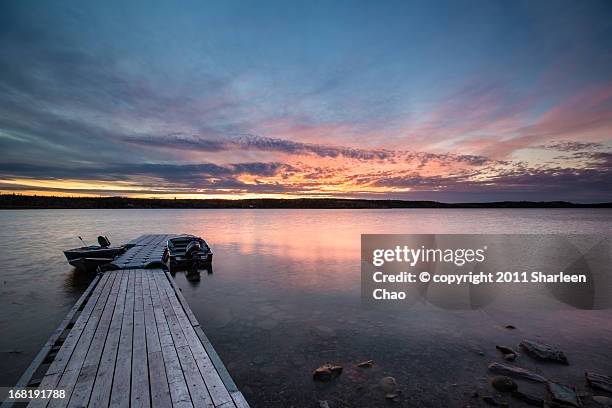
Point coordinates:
[[16, 202]]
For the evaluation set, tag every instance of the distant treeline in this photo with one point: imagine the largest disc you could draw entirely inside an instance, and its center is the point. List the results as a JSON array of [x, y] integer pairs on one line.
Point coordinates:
[[17, 201]]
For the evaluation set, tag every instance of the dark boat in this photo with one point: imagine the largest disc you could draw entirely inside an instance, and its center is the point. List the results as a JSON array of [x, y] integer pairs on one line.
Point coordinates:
[[91, 256], [89, 264], [187, 252]]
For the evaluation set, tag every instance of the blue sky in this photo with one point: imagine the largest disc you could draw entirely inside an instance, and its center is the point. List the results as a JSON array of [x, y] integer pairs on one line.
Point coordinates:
[[456, 101]]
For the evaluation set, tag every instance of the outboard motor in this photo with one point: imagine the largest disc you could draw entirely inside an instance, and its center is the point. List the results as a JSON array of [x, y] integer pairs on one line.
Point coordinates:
[[103, 241], [192, 248]]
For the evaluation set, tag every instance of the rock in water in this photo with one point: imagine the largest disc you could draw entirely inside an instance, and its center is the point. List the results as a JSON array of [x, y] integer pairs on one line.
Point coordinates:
[[508, 352], [516, 372], [599, 381], [389, 386], [528, 398], [490, 400], [563, 394], [601, 400], [509, 326], [326, 372], [543, 351], [366, 364], [503, 383], [505, 349]]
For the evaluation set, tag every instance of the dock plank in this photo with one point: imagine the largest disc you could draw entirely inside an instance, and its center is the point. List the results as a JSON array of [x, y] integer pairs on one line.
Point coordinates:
[[192, 319], [198, 388], [100, 395], [86, 378], [160, 392], [239, 400], [71, 372], [140, 397], [76, 344], [123, 366], [214, 383], [176, 380]]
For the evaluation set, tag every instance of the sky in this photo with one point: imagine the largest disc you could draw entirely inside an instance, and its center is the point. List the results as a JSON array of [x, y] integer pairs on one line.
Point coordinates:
[[456, 101]]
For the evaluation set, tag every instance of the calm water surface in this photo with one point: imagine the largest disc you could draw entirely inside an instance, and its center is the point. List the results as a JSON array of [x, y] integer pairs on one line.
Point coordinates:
[[285, 297]]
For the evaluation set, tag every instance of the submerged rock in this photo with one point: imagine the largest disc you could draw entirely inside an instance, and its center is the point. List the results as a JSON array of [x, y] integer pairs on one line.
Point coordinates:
[[528, 398], [490, 400], [563, 394], [323, 404], [508, 352], [366, 364], [601, 400], [516, 372], [543, 351], [505, 349], [503, 383], [599, 381], [326, 372], [389, 387]]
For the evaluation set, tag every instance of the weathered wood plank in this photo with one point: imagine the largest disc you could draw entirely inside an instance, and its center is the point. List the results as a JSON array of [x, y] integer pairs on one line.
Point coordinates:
[[216, 360], [178, 337], [213, 381], [75, 363], [179, 391], [100, 395], [239, 400], [176, 380], [86, 378], [120, 390], [61, 359], [227, 381], [153, 344], [192, 319], [160, 393], [140, 371], [195, 382]]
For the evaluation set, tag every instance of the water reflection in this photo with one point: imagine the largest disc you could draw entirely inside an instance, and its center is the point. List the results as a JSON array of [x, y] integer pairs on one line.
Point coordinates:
[[285, 297], [193, 275], [77, 280]]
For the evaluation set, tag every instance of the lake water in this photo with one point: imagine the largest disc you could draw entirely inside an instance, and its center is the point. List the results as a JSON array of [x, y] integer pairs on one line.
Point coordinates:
[[284, 298]]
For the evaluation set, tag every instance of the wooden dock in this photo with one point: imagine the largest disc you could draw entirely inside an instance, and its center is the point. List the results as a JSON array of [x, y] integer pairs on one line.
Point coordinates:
[[132, 341]]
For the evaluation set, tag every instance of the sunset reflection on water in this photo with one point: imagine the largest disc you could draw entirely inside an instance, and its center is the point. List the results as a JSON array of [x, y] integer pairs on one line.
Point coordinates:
[[284, 297]]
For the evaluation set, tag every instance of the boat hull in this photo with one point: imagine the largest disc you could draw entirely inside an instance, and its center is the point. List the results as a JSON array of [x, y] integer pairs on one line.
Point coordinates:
[[92, 252], [180, 263], [89, 264]]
